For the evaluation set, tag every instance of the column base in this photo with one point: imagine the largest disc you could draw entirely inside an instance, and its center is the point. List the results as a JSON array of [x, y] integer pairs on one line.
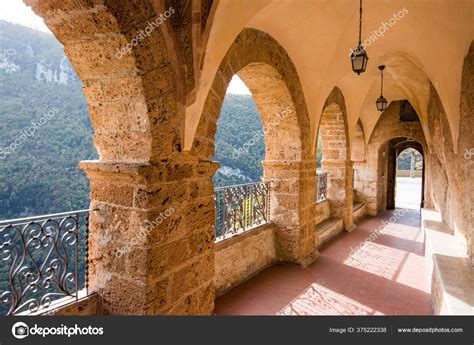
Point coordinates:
[[310, 258], [350, 228]]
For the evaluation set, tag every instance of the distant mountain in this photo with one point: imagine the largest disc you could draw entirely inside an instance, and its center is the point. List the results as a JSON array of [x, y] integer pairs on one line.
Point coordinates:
[[34, 53], [44, 124]]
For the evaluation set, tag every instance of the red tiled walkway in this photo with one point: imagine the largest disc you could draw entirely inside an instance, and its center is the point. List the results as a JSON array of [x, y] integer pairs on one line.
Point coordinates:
[[388, 276]]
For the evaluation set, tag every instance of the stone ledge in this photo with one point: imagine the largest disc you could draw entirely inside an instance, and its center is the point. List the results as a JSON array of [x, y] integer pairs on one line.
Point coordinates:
[[323, 211], [327, 230], [452, 279], [241, 236], [358, 210], [86, 305]]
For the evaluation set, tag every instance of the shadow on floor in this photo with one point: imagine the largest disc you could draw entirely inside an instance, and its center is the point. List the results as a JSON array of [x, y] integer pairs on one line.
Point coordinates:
[[387, 276]]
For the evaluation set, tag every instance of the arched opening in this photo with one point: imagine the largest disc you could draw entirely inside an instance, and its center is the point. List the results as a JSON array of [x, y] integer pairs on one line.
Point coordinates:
[[408, 180], [405, 174], [336, 166], [289, 166], [241, 199], [240, 145], [376, 177], [321, 177]]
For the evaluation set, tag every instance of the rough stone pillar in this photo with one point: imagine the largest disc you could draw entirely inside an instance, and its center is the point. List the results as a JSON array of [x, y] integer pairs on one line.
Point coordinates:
[[349, 209], [152, 241], [337, 164], [292, 208], [339, 191]]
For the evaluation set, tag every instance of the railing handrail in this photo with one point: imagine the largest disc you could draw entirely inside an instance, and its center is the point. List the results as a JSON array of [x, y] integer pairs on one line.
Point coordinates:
[[42, 260], [241, 207], [46, 216], [239, 185], [321, 181]]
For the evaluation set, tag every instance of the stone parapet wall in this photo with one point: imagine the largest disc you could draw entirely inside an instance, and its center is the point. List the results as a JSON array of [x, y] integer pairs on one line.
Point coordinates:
[[243, 256], [452, 278], [359, 212], [323, 211], [87, 306]]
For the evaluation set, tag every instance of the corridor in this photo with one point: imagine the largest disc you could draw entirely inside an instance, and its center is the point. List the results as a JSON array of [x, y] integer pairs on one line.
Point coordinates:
[[387, 276]]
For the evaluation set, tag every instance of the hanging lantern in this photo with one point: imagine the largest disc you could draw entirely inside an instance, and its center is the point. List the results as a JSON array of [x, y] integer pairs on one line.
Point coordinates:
[[381, 102], [359, 56]]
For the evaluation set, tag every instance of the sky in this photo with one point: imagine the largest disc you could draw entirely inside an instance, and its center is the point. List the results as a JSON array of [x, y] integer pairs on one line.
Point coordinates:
[[15, 11]]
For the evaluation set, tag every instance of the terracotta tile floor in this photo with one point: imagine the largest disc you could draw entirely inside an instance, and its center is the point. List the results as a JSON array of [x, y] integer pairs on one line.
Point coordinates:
[[388, 276]]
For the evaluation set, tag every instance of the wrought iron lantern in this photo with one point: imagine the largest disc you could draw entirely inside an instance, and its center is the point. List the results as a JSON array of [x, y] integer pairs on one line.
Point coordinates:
[[359, 56], [381, 102]]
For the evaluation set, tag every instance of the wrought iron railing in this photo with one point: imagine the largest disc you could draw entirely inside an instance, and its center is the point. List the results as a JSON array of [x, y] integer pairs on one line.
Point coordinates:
[[42, 259], [321, 186], [241, 207]]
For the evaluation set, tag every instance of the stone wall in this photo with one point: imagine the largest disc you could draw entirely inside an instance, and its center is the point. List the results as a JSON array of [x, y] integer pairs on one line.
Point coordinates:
[[449, 173], [358, 144], [243, 256]]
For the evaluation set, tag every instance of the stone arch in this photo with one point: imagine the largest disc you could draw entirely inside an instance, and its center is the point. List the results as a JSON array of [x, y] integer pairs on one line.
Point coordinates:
[[408, 77], [358, 156], [267, 70], [371, 178], [358, 144], [130, 83], [394, 147], [136, 91], [336, 159]]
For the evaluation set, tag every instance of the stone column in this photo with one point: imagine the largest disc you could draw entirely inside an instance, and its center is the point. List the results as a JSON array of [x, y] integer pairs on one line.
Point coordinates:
[[292, 208], [151, 244], [337, 164]]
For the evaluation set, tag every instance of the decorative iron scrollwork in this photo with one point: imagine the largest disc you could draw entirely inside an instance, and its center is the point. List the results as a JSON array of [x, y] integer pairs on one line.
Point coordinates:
[[322, 186], [241, 207], [40, 260]]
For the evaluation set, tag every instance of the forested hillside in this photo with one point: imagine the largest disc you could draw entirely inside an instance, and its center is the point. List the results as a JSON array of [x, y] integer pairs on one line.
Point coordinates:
[[240, 147], [44, 124]]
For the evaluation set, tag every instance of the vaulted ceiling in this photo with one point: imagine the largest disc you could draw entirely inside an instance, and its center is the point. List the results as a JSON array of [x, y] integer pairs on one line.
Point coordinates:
[[427, 44]]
